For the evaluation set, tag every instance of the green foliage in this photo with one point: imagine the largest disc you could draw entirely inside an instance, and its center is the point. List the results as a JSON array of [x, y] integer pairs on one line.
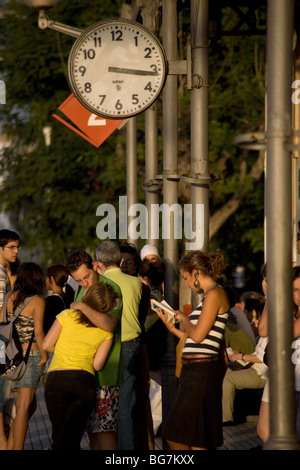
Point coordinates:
[[53, 192]]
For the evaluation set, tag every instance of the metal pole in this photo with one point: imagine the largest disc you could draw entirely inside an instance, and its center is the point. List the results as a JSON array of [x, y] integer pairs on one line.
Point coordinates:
[[131, 148], [152, 189], [170, 149], [170, 194], [279, 225], [199, 120], [199, 111], [150, 16], [131, 169], [296, 156]]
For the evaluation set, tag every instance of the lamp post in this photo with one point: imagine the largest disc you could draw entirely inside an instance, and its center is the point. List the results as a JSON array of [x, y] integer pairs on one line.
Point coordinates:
[[45, 22], [38, 4]]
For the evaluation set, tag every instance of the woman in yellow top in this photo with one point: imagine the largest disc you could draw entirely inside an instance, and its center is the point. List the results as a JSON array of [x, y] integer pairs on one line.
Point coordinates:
[[79, 349]]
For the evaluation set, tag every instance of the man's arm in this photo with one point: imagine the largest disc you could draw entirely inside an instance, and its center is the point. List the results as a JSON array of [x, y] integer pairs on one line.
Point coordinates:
[[99, 319]]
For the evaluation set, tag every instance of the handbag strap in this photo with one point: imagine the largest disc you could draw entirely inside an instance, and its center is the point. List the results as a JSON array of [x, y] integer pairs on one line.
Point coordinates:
[[16, 314], [18, 309], [4, 306], [29, 347]]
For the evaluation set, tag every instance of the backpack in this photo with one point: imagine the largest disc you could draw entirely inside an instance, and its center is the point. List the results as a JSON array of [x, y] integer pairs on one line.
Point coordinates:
[[12, 362]]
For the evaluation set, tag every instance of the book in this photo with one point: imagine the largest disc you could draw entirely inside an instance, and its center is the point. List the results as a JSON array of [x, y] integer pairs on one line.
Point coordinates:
[[163, 305], [240, 361]]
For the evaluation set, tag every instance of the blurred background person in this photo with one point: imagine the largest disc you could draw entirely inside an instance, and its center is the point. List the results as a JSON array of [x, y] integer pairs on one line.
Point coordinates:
[[61, 293]]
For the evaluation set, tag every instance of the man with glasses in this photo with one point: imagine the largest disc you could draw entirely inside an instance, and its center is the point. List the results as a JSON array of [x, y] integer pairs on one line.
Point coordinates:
[[9, 247]]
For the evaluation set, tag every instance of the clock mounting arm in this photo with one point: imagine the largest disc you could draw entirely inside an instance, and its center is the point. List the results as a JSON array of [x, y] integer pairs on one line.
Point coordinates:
[[45, 22]]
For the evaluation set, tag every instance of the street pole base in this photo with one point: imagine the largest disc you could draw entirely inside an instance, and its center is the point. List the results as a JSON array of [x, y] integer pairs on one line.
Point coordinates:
[[282, 443]]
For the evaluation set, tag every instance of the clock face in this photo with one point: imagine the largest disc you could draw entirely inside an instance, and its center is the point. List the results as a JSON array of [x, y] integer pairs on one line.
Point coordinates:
[[117, 68]]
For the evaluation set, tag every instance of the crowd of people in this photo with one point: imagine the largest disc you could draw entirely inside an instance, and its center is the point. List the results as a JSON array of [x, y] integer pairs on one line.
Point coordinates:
[[96, 347]]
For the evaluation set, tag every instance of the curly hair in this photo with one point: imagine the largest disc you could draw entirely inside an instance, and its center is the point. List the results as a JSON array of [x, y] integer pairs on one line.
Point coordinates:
[[212, 265], [75, 259]]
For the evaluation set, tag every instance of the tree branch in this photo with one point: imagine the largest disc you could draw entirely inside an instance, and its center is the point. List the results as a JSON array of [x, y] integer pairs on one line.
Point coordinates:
[[231, 206]]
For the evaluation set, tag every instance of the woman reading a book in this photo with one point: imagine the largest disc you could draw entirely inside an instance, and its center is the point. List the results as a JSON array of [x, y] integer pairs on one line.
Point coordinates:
[[195, 420]]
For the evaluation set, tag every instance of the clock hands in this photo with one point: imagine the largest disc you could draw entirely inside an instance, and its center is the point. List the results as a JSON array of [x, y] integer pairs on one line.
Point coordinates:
[[131, 71]]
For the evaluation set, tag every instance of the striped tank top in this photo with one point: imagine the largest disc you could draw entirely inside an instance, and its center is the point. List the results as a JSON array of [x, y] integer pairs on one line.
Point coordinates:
[[211, 344]]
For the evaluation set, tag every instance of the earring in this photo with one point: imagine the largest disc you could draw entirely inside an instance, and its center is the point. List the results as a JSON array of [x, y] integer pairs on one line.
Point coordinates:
[[196, 284]]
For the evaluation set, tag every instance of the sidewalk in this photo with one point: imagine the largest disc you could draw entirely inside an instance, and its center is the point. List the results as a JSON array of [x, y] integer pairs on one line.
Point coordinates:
[[241, 437]]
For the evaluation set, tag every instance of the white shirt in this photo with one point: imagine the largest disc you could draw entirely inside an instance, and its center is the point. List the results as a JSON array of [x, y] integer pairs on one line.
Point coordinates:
[[259, 352]]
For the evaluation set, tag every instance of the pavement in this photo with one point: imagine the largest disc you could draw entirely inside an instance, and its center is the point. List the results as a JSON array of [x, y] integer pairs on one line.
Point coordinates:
[[240, 437]]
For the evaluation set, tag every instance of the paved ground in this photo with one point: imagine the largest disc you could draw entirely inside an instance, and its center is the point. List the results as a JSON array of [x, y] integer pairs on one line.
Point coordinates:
[[241, 437]]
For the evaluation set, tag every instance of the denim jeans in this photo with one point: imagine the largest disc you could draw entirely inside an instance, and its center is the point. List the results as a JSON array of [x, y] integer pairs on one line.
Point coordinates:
[[128, 395], [33, 376]]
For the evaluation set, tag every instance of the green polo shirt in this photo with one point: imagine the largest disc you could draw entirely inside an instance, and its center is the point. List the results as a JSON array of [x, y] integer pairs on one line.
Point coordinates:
[[131, 288]]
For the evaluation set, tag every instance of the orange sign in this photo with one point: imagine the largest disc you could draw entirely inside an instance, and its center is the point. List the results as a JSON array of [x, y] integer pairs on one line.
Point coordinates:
[[91, 127]]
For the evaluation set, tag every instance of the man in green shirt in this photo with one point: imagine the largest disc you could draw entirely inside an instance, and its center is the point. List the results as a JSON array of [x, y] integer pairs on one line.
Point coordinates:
[[102, 424], [109, 260]]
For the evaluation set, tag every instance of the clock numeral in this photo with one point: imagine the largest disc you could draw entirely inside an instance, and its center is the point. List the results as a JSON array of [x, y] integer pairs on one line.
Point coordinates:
[[135, 40], [154, 68], [82, 70], [97, 41], [89, 53], [117, 35], [118, 105], [148, 53], [148, 86], [87, 87], [102, 98], [135, 99]]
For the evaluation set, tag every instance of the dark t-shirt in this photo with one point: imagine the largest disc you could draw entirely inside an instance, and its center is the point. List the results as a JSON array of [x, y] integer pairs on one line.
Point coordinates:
[[54, 305]]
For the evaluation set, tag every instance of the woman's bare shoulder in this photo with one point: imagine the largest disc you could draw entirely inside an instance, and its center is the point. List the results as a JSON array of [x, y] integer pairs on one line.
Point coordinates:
[[36, 303]]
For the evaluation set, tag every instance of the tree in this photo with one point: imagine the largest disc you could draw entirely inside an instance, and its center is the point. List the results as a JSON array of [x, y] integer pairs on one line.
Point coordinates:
[[53, 192]]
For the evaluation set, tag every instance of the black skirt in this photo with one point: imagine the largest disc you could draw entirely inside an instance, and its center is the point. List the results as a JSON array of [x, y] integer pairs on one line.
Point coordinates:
[[195, 419]]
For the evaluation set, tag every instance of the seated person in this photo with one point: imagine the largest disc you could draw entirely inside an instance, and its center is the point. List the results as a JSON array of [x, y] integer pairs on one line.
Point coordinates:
[[253, 377], [236, 338], [248, 300]]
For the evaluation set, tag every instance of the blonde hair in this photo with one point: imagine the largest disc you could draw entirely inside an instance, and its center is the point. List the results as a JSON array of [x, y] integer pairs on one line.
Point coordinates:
[[212, 265]]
